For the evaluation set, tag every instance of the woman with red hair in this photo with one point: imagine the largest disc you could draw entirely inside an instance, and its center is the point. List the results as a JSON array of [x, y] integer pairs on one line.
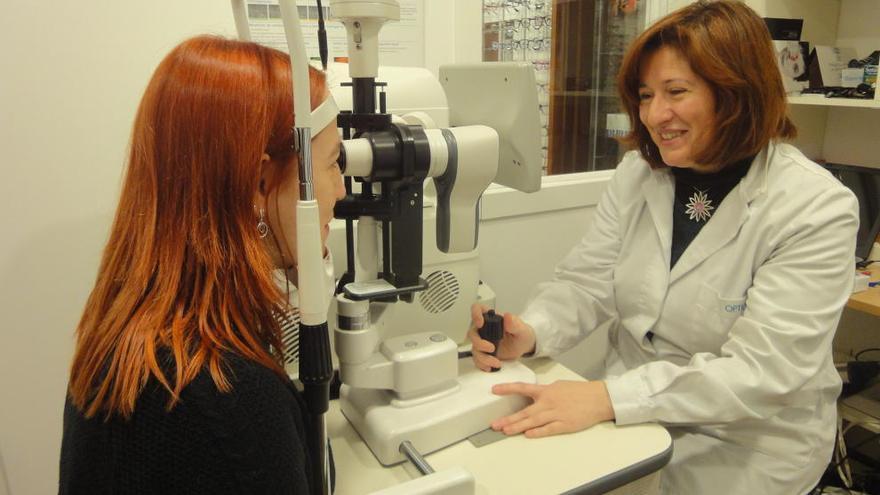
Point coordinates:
[[177, 383]]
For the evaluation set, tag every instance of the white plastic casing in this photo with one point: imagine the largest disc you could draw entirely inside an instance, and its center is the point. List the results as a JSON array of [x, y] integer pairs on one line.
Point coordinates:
[[358, 157], [363, 20], [424, 363], [313, 294], [432, 425], [452, 481], [459, 192], [415, 367]]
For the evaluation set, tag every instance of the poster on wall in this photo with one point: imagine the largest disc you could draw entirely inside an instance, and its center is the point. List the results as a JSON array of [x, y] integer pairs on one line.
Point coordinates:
[[792, 58], [401, 43]]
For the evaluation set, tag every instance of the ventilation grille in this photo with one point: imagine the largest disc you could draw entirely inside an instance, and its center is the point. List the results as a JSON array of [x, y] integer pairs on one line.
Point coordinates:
[[442, 293], [289, 322]]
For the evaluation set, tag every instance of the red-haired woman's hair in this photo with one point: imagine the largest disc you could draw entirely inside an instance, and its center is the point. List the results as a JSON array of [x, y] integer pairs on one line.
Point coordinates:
[[727, 44], [185, 269]]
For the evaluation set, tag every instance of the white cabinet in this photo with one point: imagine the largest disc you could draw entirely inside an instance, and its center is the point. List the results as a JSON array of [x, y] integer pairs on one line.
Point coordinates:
[[837, 130]]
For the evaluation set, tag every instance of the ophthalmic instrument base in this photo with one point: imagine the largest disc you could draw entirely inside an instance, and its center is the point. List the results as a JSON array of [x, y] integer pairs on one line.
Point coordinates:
[[431, 425]]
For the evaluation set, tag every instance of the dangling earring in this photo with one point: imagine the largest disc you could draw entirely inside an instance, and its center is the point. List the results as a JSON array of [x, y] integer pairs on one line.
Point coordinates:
[[262, 226]]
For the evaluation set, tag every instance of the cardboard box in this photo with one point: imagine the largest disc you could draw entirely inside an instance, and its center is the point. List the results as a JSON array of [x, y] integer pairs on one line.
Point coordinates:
[[851, 78], [871, 74], [826, 65]]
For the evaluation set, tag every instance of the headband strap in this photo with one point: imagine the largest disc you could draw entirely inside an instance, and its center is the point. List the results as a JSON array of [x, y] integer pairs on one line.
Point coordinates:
[[324, 115]]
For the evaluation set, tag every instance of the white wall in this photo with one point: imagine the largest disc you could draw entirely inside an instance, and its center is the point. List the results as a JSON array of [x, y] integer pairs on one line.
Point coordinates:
[[453, 32], [73, 73], [524, 236]]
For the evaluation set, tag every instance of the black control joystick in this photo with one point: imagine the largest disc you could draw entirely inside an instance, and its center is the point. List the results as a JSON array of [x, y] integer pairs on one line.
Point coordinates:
[[492, 330]]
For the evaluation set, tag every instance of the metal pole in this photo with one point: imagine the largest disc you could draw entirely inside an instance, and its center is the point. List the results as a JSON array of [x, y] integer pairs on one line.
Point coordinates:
[[315, 367], [407, 449]]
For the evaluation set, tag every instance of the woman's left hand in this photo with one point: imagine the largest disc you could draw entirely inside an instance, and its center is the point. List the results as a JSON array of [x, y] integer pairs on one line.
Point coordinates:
[[561, 407]]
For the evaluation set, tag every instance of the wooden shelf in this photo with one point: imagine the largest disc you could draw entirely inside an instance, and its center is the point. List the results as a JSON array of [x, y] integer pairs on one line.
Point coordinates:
[[820, 100], [868, 301]]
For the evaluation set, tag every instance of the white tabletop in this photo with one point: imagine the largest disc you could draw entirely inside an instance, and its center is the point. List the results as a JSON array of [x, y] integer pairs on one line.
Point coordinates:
[[605, 455]]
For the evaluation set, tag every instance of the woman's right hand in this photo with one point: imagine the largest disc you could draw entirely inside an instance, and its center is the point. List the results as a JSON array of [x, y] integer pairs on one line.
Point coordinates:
[[518, 339]]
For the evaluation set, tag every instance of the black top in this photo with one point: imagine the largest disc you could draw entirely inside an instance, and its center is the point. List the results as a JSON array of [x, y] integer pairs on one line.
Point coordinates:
[[250, 440], [697, 197]]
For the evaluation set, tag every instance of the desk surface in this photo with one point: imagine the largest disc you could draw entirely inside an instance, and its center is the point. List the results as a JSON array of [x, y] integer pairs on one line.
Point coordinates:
[[868, 301], [592, 459]]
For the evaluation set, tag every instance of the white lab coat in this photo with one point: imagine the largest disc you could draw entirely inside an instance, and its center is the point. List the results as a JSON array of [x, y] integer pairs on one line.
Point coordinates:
[[740, 367]]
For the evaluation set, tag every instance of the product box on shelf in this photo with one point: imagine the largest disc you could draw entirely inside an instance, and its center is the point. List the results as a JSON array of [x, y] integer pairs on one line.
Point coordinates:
[[871, 74], [827, 64]]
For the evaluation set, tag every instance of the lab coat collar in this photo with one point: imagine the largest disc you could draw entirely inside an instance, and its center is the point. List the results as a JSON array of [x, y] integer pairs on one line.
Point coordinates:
[[725, 223], [659, 191], [755, 181]]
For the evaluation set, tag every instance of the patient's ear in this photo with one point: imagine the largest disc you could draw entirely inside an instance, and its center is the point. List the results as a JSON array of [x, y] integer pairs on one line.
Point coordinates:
[[266, 170]]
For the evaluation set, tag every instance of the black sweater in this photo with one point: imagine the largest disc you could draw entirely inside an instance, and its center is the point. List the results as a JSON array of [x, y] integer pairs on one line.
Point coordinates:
[[690, 188], [250, 440]]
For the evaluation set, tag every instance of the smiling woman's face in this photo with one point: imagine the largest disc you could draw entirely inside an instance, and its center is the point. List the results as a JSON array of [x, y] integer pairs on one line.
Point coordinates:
[[677, 106]]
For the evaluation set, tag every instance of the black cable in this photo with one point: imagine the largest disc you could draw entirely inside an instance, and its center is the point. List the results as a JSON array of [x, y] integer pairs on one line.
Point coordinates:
[[864, 263], [873, 437], [860, 476], [870, 349], [322, 37]]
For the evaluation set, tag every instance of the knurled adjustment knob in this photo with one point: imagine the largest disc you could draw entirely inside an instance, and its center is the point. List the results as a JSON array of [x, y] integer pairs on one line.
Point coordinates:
[[492, 330]]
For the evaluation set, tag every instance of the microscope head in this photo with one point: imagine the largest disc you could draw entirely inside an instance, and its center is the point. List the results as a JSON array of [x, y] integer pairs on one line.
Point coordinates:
[[461, 160]]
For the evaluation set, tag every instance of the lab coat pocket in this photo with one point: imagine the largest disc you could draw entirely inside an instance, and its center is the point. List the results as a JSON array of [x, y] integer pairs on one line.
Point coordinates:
[[715, 314]]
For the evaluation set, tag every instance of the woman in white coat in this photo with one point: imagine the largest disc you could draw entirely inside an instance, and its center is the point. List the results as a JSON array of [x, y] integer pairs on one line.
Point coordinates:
[[719, 260]]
